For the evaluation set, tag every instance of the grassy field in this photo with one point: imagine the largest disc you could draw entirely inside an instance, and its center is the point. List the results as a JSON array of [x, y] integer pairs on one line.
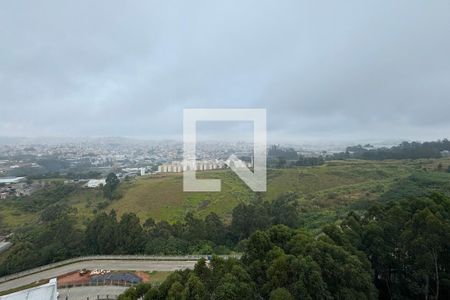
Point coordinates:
[[11, 217], [326, 192], [162, 198], [333, 187]]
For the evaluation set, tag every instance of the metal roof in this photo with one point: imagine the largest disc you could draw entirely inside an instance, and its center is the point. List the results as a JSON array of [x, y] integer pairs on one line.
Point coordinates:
[[43, 292]]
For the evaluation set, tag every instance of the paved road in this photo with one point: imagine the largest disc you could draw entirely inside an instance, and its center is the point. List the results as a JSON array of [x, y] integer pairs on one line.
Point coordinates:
[[91, 292], [131, 265]]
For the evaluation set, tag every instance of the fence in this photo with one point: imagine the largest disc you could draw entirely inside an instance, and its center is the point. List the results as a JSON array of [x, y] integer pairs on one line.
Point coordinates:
[[98, 297], [98, 283], [108, 257]]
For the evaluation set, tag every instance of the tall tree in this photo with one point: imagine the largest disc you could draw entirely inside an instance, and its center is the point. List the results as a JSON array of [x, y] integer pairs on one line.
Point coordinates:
[[112, 183], [131, 238]]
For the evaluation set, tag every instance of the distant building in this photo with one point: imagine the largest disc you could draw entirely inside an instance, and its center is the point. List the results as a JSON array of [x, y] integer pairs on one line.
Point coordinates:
[[180, 166], [5, 246], [10, 180], [43, 292], [132, 170], [95, 183]]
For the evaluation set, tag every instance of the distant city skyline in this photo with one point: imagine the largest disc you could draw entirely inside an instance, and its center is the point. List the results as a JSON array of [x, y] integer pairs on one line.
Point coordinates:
[[319, 144]]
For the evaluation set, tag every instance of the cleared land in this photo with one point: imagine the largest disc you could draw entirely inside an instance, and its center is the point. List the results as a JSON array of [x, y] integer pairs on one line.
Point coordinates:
[[333, 186], [326, 192]]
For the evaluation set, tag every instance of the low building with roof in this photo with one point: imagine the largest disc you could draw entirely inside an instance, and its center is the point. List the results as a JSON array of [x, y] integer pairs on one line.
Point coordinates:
[[46, 291], [4, 246], [11, 180], [95, 183]]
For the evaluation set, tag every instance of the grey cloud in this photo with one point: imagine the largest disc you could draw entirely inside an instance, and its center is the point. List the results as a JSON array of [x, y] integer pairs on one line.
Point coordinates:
[[323, 69]]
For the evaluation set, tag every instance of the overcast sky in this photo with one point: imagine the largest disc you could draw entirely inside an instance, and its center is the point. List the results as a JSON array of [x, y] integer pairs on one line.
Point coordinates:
[[322, 69]]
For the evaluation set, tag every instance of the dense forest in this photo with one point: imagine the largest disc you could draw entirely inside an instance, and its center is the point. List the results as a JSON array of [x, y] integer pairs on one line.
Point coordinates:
[[58, 237], [405, 150], [279, 157], [395, 251]]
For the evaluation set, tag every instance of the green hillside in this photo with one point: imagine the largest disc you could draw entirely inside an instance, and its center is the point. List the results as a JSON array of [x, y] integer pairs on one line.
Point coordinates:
[[323, 190], [326, 193]]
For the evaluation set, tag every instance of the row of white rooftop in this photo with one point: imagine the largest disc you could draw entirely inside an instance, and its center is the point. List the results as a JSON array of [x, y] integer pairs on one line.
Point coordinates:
[[181, 166]]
